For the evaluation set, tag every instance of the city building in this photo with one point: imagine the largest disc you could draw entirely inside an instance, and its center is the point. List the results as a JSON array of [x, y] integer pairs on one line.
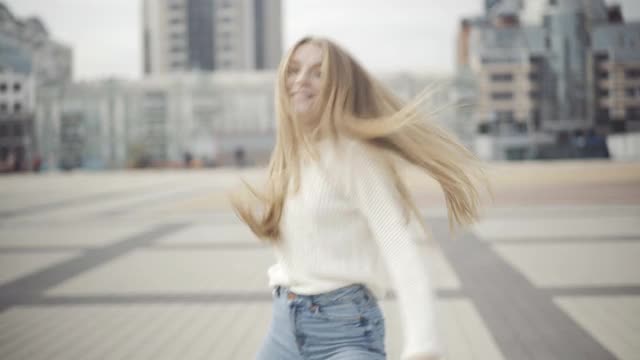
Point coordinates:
[[537, 74], [30, 63], [158, 121], [615, 77], [211, 35], [16, 120], [212, 118]]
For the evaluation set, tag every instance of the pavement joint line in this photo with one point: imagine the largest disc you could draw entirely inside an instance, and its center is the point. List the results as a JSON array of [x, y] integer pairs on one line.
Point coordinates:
[[617, 290], [564, 240], [221, 297], [263, 296], [524, 320], [38, 249], [551, 213], [124, 209], [213, 246], [33, 285], [35, 249], [259, 296], [90, 198]]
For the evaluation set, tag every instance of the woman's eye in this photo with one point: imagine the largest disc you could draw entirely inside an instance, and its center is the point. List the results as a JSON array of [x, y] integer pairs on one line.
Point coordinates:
[[292, 71], [317, 73]]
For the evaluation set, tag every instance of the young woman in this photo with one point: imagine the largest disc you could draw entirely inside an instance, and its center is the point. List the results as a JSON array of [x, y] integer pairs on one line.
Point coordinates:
[[338, 214]]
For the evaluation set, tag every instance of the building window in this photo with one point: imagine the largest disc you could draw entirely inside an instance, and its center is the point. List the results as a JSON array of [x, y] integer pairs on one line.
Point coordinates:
[[602, 115], [3, 108], [17, 107], [534, 94], [603, 75], [633, 113], [504, 116], [16, 87], [17, 129], [603, 92], [520, 128], [553, 2], [632, 73], [3, 130], [3, 87], [547, 42], [501, 77], [602, 57], [618, 127], [484, 128], [535, 117], [533, 76], [502, 95]]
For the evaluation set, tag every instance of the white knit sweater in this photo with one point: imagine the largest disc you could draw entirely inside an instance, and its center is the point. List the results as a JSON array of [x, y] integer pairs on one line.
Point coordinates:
[[346, 226]]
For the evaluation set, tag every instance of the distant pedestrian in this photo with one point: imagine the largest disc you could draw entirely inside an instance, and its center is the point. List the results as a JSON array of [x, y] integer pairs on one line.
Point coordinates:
[[188, 159], [239, 157], [337, 212], [37, 163]]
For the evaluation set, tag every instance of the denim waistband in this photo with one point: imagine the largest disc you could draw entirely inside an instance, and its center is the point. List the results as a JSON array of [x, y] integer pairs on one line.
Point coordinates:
[[343, 294]]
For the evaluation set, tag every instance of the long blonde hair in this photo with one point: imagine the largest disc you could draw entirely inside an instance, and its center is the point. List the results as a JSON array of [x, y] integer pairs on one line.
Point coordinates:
[[354, 104]]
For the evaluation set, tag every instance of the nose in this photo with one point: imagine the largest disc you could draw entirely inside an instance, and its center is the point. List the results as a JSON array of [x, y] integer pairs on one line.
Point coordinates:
[[301, 77]]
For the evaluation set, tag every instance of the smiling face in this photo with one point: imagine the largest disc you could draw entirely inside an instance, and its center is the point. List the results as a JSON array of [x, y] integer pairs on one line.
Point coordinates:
[[303, 77]]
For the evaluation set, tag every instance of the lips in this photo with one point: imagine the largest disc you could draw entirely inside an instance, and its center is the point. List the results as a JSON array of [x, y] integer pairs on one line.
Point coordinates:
[[303, 96], [302, 93]]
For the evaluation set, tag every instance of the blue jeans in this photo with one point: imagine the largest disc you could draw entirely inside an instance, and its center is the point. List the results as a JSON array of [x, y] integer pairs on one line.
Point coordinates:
[[346, 323]]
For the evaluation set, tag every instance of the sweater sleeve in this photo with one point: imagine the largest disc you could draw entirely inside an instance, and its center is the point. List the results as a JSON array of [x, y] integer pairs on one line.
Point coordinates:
[[371, 188]]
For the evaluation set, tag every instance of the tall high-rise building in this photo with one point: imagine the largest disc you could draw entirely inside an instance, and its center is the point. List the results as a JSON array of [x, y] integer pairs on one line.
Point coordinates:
[[209, 35]]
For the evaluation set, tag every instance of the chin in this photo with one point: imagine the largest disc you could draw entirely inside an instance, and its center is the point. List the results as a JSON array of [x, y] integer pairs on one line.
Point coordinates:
[[301, 109]]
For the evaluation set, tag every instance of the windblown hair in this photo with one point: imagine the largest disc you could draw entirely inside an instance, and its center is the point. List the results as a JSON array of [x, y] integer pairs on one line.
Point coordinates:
[[352, 103]]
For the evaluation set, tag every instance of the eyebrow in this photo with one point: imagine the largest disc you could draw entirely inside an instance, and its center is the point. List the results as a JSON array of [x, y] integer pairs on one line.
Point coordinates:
[[297, 63]]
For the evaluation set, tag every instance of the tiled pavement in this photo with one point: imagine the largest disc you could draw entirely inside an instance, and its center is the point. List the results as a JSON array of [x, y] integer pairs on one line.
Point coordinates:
[[152, 265]]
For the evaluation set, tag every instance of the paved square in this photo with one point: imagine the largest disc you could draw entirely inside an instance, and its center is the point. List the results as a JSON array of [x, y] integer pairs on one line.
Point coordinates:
[[155, 265]]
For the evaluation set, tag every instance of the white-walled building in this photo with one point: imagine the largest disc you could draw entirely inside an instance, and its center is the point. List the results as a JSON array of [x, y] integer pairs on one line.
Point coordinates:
[[211, 35], [223, 111], [157, 120], [213, 117]]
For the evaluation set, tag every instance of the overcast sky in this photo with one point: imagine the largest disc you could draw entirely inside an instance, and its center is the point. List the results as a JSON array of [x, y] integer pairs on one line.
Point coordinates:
[[385, 35]]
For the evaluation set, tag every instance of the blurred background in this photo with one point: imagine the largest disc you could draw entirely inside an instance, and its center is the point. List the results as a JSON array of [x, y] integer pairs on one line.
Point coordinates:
[[124, 123], [121, 84]]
